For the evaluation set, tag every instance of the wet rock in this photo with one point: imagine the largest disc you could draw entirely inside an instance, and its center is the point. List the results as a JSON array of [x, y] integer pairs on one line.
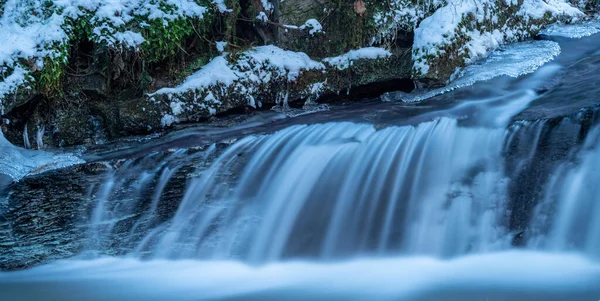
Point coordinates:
[[41, 222]]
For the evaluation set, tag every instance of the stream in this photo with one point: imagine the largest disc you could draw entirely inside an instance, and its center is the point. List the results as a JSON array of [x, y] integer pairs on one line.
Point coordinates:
[[486, 190]]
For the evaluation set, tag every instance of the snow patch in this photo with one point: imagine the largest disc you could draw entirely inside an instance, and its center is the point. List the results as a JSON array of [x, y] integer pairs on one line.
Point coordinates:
[[267, 5], [444, 28], [221, 6], [313, 27], [221, 46], [262, 17], [346, 60], [537, 9], [255, 67]]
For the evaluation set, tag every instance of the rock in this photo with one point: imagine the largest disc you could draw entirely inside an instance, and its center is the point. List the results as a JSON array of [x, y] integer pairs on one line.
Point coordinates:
[[40, 222]]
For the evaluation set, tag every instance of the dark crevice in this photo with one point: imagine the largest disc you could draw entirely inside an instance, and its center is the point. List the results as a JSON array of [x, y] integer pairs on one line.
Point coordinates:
[[370, 91]]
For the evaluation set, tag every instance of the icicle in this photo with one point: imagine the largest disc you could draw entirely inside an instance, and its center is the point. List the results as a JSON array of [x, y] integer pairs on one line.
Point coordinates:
[[26, 137], [39, 137]]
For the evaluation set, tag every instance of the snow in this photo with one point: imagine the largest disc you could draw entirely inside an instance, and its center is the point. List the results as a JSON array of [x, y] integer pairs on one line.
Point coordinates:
[[216, 71], [346, 60], [220, 71], [221, 6], [37, 29], [221, 46], [401, 14], [128, 38], [17, 162], [267, 5], [313, 26], [262, 17], [536, 9], [255, 67], [442, 28], [289, 62], [245, 75]]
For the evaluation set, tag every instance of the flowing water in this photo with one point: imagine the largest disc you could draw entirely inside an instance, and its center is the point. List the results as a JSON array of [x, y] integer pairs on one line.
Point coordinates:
[[460, 202]]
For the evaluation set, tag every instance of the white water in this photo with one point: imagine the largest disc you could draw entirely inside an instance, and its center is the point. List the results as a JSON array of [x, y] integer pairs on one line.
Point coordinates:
[[359, 185], [569, 216], [514, 276]]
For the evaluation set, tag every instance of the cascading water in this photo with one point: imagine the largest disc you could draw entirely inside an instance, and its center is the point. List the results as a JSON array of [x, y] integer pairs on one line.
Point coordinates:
[[343, 188], [333, 190], [329, 191], [429, 209], [567, 217]]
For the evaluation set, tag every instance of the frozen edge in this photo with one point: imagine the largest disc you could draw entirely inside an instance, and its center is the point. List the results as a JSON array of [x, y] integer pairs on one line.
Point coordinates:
[[513, 60]]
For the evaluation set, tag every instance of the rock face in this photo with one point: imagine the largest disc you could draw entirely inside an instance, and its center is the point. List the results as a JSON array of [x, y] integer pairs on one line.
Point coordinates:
[[49, 225], [41, 222]]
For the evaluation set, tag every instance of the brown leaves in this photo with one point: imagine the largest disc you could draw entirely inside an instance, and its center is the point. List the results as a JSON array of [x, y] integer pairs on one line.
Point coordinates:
[[359, 7]]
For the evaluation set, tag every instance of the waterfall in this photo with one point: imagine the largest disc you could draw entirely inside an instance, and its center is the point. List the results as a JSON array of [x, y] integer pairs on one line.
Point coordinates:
[[331, 190], [567, 218]]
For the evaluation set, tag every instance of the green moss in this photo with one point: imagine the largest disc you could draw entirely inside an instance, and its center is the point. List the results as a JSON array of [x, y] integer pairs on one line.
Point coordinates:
[[165, 40], [50, 78]]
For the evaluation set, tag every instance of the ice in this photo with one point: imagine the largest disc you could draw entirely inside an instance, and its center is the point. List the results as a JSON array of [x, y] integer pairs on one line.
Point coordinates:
[[513, 60], [572, 31], [17, 162], [436, 32]]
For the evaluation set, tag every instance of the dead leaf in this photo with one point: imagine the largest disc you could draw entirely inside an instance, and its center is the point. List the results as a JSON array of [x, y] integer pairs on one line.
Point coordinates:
[[359, 7]]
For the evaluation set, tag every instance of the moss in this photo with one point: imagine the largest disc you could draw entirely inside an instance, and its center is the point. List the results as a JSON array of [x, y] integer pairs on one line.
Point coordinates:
[[165, 40], [50, 78], [231, 21]]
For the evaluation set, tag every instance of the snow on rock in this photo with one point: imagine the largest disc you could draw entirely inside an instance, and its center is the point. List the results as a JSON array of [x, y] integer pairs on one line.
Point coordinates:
[[402, 14], [244, 77], [217, 71], [248, 76], [35, 30], [346, 60], [538, 8], [313, 27], [513, 60], [464, 31]]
